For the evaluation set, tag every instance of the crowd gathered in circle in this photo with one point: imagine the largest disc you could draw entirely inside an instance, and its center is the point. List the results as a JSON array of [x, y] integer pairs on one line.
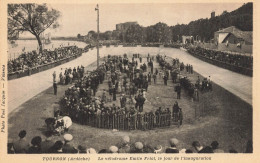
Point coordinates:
[[131, 82], [125, 78]]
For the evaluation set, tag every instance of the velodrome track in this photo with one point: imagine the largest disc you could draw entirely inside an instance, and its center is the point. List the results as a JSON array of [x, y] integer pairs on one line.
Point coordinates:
[[22, 89]]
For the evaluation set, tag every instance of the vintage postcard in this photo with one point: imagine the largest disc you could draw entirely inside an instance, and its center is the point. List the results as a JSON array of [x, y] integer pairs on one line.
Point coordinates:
[[146, 80]]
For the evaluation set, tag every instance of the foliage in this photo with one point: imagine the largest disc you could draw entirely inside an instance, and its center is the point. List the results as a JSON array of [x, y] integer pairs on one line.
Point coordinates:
[[31, 17], [242, 18], [134, 34], [201, 29]]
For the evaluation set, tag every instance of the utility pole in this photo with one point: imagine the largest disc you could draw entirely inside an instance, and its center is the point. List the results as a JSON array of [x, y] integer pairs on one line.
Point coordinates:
[[97, 9]]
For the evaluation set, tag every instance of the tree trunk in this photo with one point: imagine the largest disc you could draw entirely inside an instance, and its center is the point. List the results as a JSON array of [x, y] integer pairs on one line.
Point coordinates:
[[39, 43]]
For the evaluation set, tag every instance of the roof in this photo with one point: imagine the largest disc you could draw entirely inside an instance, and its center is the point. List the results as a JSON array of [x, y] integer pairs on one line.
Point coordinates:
[[227, 30], [127, 23], [245, 35]]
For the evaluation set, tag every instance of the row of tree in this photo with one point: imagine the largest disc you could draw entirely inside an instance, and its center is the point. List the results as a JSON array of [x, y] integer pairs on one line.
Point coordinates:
[[202, 29], [36, 18]]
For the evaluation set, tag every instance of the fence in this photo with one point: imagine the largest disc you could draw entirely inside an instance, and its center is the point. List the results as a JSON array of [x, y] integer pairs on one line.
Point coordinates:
[[34, 70], [127, 121]]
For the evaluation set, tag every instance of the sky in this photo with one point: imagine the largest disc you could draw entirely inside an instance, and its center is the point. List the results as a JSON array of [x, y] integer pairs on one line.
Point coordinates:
[[81, 18]]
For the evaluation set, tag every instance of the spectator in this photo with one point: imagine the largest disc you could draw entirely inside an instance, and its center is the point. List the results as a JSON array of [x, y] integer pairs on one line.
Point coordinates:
[[57, 147], [214, 146], [10, 148], [178, 90], [67, 147], [113, 149], [21, 145], [200, 149], [55, 87], [125, 148], [154, 78], [91, 151], [54, 76], [32, 59], [173, 142], [158, 149], [48, 143], [180, 116], [138, 147], [82, 149], [36, 145]]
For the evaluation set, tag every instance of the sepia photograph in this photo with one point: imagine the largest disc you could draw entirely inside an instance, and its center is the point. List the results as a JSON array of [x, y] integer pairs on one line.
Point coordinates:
[[128, 78]]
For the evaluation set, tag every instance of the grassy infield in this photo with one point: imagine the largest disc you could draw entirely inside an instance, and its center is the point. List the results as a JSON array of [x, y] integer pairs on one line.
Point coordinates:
[[221, 116]]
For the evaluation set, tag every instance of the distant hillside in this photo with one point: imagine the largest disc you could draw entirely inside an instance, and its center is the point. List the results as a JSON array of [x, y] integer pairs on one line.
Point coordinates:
[[242, 18]]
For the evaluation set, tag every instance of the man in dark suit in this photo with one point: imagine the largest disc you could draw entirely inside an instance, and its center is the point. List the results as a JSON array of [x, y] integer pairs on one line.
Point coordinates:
[[172, 149], [55, 87], [48, 143], [178, 90], [57, 147], [36, 145], [165, 78], [141, 101], [123, 101]]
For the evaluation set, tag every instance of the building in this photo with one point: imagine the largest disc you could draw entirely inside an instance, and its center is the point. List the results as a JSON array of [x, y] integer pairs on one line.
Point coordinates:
[[122, 27], [233, 35]]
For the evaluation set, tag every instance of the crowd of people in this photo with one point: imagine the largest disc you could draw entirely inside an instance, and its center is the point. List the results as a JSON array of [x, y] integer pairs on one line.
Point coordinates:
[[233, 59], [30, 60], [82, 101], [182, 82], [66, 145], [124, 78]]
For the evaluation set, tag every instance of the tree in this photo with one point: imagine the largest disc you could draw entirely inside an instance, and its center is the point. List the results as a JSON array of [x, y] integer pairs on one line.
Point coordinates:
[[134, 33], [204, 29], [33, 18], [108, 35], [92, 35]]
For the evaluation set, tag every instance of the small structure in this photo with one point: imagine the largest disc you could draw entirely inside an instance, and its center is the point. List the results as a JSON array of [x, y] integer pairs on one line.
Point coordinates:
[[233, 35], [187, 39]]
